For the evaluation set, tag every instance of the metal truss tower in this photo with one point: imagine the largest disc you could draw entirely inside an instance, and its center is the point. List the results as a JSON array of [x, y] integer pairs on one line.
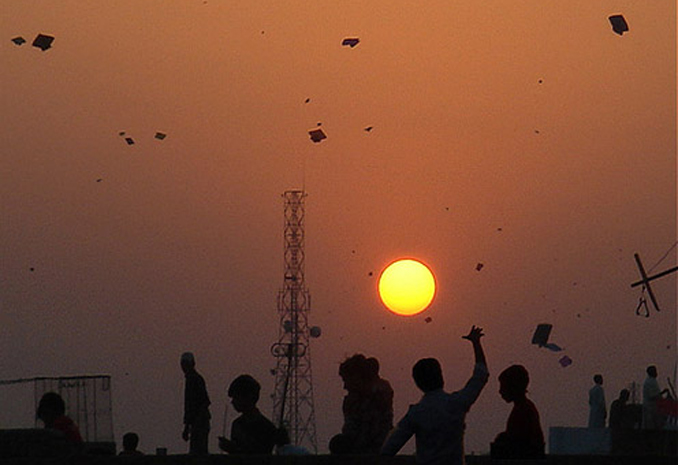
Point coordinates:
[[293, 394]]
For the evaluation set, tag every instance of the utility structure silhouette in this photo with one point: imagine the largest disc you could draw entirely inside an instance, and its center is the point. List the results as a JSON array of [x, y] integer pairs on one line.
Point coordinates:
[[293, 395]]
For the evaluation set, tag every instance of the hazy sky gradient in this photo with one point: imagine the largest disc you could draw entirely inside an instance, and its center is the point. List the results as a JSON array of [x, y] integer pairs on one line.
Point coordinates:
[[179, 247]]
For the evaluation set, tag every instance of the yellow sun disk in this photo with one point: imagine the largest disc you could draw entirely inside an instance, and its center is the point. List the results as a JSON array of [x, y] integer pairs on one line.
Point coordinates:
[[407, 287]]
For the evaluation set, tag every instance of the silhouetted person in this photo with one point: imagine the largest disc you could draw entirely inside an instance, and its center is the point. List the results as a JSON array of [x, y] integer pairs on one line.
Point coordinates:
[[367, 407], [651, 394], [597, 406], [130, 442], [438, 420], [620, 417], [196, 407], [52, 412], [251, 432], [523, 438]]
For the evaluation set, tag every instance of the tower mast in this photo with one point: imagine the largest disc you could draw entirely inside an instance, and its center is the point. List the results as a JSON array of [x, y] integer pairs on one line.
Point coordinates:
[[293, 394]]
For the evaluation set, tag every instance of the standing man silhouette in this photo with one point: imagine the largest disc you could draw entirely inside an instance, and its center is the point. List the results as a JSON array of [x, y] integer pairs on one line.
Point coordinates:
[[651, 394], [597, 408], [196, 407]]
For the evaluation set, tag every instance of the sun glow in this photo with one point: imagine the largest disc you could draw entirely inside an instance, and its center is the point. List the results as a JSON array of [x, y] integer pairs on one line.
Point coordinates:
[[407, 287]]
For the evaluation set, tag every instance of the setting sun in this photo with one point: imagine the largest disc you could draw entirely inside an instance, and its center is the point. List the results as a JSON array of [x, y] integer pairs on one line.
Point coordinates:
[[407, 287]]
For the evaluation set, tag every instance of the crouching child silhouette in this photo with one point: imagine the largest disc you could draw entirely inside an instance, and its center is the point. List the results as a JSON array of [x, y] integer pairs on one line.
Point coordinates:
[[438, 420], [52, 411], [251, 433], [523, 438]]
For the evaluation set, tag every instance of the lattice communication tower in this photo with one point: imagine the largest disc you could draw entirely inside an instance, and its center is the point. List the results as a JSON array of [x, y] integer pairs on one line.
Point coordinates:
[[293, 394]]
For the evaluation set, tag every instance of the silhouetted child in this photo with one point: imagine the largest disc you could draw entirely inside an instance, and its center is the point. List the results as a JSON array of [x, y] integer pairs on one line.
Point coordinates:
[[367, 407], [130, 442], [251, 432], [523, 437], [619, 412], [52, 412], [438, 420]]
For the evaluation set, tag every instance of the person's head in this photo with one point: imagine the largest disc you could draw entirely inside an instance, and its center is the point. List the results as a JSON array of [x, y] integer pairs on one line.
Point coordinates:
[[187, 362], [624, 395], [513, 383], [427, 374], [354, 371], [50, 408], [652, 371], [130, 442], [598, 379], [372, 368], [244, 393]]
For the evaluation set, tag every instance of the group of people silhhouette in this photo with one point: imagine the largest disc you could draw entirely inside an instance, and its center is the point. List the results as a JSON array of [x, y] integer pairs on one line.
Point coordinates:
[[437, 421], [251, 432], [622, 415]]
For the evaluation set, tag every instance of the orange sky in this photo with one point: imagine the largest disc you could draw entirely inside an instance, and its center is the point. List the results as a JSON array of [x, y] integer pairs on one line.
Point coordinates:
[[179, 247]]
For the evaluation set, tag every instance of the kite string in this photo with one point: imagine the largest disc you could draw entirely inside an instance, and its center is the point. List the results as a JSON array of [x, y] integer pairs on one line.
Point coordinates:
[[663, 257]]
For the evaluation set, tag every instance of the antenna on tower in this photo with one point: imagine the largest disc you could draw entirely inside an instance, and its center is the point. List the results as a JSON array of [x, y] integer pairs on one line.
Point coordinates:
[[293, 395]]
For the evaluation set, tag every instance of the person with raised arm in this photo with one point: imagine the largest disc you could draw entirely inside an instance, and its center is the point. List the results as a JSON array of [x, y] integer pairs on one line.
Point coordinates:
[[438, 420]]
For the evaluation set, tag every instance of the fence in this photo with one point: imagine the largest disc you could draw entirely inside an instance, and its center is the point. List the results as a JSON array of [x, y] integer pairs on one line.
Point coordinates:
[[87, 398]]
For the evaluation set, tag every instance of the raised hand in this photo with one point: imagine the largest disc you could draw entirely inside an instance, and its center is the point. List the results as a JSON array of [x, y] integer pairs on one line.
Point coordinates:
[[474, 335]]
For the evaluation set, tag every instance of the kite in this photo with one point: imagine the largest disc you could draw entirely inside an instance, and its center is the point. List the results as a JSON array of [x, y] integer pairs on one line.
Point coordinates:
[[541, 337], [565, 361], [43, 42], [619, 24], [317, 135], [350, 41]]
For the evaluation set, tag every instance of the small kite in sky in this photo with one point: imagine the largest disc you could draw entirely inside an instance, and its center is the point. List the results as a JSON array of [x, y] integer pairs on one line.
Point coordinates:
[[541, 337], [541, 334], [307, 100], [160, 135], [350, 41], [43, 42], [19, 40], [369, 128], [129, 141], [479, 266], [317, 135], [565, 361], [619, 24]]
